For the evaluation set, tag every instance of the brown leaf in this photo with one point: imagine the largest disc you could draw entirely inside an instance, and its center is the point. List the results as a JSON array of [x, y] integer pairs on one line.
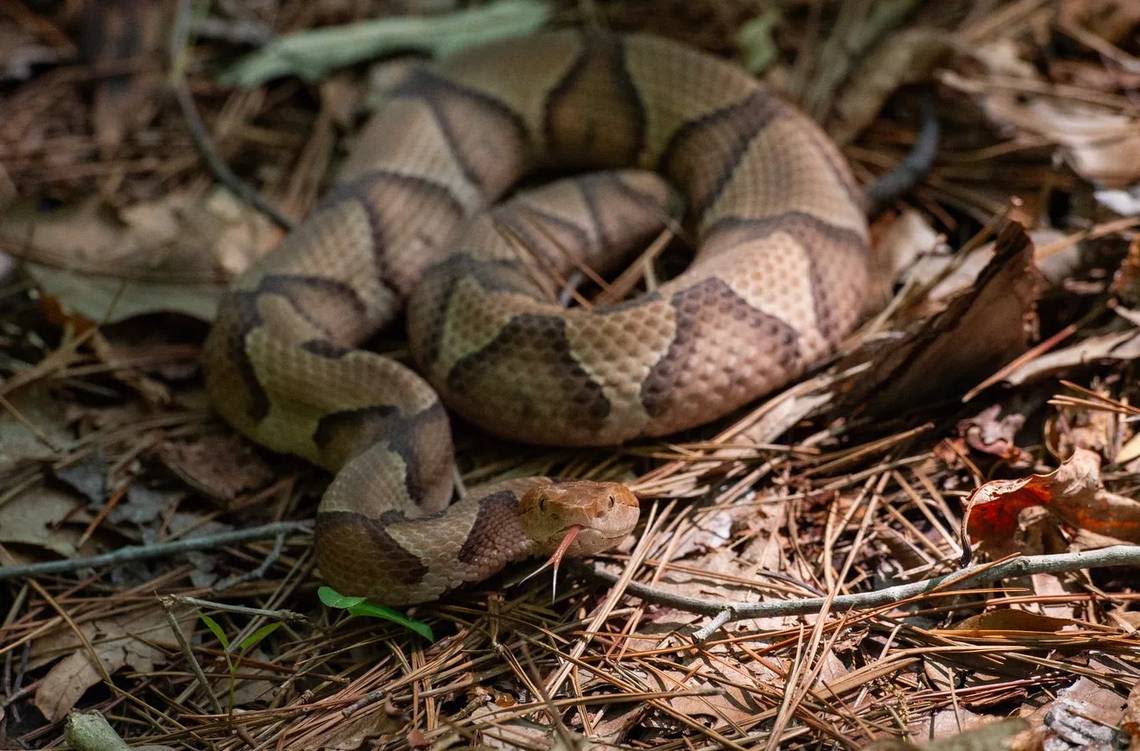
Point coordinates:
[[949, 723], [1122, 346], [1007, 735], [726, 700], [898, 243], [131, 639], [1073, 493], [1101, 145], [33, 428], [147, 258], [221, 465], [1126, 283], [1072, 428], [978, 332], [1086, 716], [987, 433], [350, 734], [1009, 619], [35, 517], [1131, 722]]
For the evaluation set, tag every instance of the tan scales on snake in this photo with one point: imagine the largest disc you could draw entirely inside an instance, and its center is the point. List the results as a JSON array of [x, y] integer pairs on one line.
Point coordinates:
[[778, 278]]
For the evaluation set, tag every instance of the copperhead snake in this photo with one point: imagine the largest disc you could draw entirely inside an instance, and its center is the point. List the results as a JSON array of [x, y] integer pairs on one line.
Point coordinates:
[[778, 278]]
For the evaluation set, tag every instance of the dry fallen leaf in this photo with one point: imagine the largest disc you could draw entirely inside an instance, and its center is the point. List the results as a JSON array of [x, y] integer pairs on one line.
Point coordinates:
[[1009, 619], [221, 465], [1126, 282], [899, 244], [1085, 715], [1073, 492], [132, 639], [33, 428], [1071, 428], [948, 723], [1101, 145], [1121, 346], [160, 256], [36, 517], [1007, 735], [990, 432], [1131, 722], [726, 700], [978, 332]]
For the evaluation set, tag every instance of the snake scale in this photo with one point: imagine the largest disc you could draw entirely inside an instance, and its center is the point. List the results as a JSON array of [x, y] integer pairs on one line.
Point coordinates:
[[777, 279]]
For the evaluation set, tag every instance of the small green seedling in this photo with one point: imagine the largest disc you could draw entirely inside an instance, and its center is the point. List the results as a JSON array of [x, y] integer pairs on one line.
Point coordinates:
[[360, 606], [243, 646]]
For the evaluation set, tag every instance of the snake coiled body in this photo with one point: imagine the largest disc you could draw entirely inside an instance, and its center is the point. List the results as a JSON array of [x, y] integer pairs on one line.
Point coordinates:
[[777, 279]]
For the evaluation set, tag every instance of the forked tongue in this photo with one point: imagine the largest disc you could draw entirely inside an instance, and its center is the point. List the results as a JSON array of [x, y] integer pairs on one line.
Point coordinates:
[[556, 558]]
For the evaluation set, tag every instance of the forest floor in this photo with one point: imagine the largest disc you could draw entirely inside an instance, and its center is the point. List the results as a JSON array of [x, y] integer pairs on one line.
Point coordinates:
[[974, 446]]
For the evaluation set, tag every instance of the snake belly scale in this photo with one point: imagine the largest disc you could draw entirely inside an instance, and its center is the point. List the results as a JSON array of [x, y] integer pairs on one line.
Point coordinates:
[[778, 278]]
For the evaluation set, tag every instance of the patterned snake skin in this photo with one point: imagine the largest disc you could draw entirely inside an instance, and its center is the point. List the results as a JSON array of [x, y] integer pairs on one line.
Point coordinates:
[[777, 280]]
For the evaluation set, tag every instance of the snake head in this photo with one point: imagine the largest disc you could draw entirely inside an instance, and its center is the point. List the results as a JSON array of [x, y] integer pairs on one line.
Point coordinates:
[[601, 513]]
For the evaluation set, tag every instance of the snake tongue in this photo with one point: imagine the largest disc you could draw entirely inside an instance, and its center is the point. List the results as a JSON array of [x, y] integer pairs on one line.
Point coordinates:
[[555, 558]]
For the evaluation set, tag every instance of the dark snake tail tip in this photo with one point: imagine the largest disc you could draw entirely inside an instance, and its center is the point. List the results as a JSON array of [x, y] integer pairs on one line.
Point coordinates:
[[902, 178]]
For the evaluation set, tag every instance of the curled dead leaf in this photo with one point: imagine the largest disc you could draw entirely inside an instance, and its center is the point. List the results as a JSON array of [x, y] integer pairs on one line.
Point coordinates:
[[1073, 493], [979, 331], [990, 432]]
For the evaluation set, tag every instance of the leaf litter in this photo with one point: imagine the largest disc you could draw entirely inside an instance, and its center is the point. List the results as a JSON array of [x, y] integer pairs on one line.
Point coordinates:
[[986, 408]]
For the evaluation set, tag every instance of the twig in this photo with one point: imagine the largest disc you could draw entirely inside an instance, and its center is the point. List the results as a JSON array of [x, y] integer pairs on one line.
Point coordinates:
[[167, 603], [157, 550], [277, 615], [1116, 555], [703, 633], [201, 137], [368, 698], [257, 573], [90, 731]]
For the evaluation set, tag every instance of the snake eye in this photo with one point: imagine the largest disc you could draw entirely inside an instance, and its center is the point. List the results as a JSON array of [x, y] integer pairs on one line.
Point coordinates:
[[612, 501], [542, 503]]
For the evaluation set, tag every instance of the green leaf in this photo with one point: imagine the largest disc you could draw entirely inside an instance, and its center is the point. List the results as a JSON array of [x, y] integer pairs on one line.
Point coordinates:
[[332, 599], [754, 38], [312, 54], [255, 638], [379, 611], [359, 606], [216, 629]]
